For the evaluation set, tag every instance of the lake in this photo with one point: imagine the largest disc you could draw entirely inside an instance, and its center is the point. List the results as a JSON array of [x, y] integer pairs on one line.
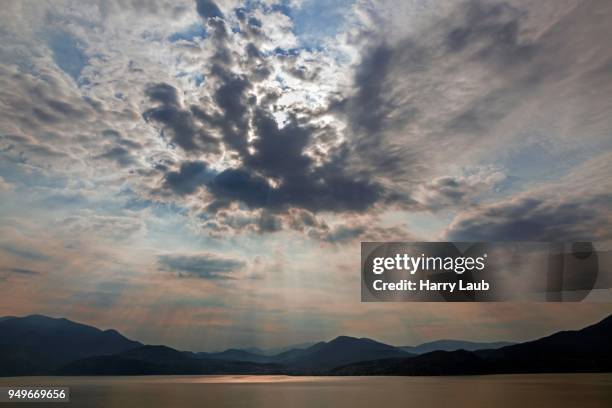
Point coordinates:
[[537, 390]]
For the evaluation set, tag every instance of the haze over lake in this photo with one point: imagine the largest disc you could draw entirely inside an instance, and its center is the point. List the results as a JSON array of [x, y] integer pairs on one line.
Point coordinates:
[[531, 390]]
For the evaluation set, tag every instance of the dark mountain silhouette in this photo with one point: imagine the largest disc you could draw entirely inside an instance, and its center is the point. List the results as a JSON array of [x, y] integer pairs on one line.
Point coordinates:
[[157, 353], [319, 356], [38, 344], [296, 354], [341, 350], [268, 351], [453, 345], [253, 350], [460, 362], [586, 350], [278, 350]]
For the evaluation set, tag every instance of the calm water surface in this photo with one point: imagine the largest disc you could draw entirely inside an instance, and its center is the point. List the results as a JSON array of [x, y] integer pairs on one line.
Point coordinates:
[[523, 391]]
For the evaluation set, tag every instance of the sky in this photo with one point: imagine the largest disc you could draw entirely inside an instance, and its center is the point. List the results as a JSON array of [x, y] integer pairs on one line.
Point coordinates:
[[201, 174]]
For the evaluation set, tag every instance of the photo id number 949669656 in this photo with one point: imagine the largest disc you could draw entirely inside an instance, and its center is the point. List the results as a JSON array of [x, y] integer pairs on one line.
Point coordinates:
[[34, 394]]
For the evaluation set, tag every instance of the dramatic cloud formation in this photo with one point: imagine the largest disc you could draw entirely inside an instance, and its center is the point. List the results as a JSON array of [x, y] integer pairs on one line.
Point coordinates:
[[180, 122], [250, 147]]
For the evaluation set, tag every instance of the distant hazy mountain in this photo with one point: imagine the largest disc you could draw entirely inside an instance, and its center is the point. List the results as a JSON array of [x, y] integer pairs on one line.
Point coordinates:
[[278, 350], [452, 345], [162, 360], [341, 350], [586, 350], [319, 356], [252, 352], [37, 344]]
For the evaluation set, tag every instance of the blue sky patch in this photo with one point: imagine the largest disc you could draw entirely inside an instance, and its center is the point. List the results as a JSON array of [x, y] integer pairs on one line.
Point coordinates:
[[316, 20], [68, 53], [192, 33]]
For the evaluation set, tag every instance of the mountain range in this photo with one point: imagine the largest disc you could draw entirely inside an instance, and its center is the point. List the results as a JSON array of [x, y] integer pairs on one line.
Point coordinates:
[[453, 345], [40, 345], [585, 350]]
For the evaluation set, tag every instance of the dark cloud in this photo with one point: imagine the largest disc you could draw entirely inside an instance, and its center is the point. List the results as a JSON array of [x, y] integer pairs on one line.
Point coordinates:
[[375, 112], [241, 13], [279, 153], [258, 66], [368, 108], [325, 190], [120, 155], [301, 220], [269, 222], [447, 191], [255, 22], [179, 122], [290, 165], [231, 99], [163, 93], [373, 107], [275, 173], [202, 266], [232, 96], [318, 191], [536, 218], [189, 178], [241, 185], [21, 271]]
